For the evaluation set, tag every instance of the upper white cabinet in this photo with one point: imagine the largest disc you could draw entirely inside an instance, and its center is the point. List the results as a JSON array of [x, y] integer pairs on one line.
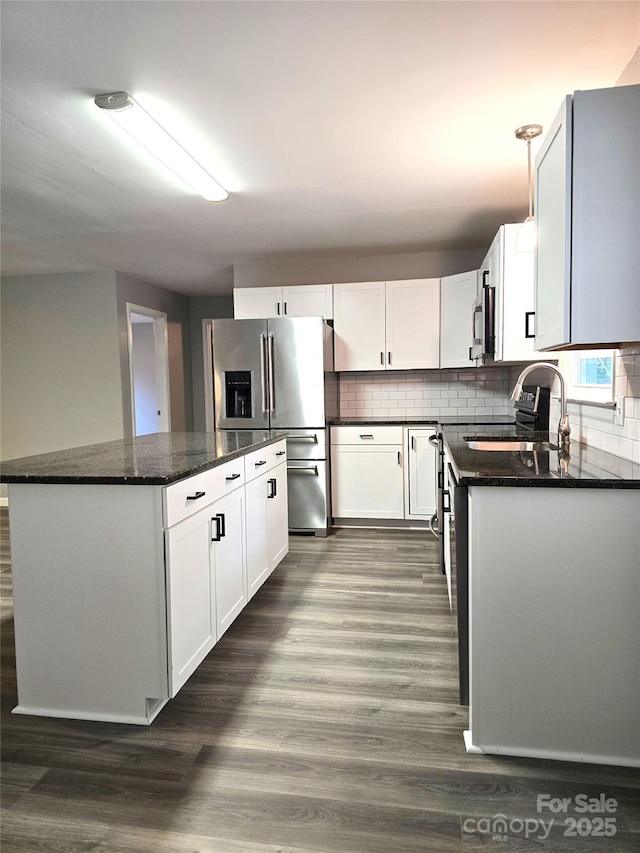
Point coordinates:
[[588, 221], [256, 303], [457, 293], [510, 272], [393, 325]]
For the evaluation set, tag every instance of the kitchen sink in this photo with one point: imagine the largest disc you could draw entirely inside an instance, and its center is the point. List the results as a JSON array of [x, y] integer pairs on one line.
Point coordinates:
[[510, 445]]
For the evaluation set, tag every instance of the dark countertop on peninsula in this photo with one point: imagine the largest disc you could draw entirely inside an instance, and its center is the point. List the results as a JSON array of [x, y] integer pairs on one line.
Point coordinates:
[[582, 467], [148, 460]]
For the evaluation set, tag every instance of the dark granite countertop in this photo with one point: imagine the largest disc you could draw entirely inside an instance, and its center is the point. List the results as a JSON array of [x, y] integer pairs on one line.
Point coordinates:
[[582, 467], [149, 460]]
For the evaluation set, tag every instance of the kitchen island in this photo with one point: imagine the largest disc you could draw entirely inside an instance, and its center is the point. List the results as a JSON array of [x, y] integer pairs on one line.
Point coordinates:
[[548, 578], [130, 560]]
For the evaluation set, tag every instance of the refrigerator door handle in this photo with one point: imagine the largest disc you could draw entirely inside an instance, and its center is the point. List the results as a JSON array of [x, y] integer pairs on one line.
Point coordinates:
[[263, 374], [271, 379]]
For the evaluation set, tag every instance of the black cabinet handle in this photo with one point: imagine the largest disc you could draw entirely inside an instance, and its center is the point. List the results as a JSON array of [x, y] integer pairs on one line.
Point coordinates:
[[223, 527], [285, 307], [196, 497], [527, 316], [470, 356], [388, 358], [381, 358], [366, 436], [273, 488], [233, 477], [218, 531], [278, 308], [261, 462], [281, 453]]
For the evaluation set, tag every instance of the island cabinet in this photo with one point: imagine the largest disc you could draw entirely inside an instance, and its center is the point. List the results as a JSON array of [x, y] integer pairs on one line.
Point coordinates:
[[393, 325], [587, 219], [126, 588]]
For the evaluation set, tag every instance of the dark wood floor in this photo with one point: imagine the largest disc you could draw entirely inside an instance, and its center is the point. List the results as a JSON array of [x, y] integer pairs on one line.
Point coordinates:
[[325, 720]]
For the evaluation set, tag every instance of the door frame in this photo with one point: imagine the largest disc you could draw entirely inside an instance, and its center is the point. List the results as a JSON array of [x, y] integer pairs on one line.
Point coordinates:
[[161, 348], [207, 352]]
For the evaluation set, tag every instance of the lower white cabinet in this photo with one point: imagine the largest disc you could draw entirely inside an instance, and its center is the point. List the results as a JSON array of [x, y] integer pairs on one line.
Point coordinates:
[[421, 476], [383, 472], [228, 558], [267, 526], [367, 472], [191, 616]]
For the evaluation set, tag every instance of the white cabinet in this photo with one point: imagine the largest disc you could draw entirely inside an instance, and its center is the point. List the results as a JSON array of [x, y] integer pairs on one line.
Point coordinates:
[[510, 273], [420, 481], [457, 294], [587, 218], [367, 472], [390, 325], [267, 533], [267, 537], [191, 616], [255, 303], [228, 558]]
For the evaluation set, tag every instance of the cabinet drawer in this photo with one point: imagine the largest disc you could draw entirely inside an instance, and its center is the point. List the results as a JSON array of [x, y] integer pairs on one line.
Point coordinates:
[[186, 497], [259, 461], [364, 435]]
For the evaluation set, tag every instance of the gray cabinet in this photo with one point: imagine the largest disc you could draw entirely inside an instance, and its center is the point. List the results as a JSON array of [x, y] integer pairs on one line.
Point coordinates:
[[588, 221]]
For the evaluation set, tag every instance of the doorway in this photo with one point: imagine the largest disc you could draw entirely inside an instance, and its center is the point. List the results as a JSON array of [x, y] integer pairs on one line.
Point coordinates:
[[147, 338]]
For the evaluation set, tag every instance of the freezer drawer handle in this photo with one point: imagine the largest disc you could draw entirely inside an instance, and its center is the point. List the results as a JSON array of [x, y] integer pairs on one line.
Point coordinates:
[[312, 468], [313, 438], [233, 477], [196, 497], [272, 488], [261, 462]]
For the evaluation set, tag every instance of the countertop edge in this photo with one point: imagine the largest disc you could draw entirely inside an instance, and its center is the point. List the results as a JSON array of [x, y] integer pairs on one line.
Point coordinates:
[[151, 480]]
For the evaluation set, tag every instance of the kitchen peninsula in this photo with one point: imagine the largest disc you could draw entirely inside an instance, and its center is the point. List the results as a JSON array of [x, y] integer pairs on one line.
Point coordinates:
[[130, 560]]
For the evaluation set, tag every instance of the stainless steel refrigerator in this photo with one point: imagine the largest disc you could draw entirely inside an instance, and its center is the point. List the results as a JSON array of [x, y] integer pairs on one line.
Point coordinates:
[[278, 374]]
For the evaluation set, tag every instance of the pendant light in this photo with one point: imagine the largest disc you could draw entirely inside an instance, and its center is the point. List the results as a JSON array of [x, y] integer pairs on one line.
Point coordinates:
[[526, 238], [134, 120]]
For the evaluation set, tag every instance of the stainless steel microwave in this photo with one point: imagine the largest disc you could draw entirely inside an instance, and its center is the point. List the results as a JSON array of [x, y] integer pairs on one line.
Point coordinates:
[[484, 323]]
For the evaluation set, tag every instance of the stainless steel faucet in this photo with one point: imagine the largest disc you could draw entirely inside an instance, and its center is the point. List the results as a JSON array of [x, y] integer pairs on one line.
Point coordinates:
[[564, 430]]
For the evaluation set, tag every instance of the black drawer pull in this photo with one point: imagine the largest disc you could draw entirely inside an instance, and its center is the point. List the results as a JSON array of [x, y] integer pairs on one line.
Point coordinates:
[[196, 497], [233, 477], [366, 436], [281, 453], [261, 462]]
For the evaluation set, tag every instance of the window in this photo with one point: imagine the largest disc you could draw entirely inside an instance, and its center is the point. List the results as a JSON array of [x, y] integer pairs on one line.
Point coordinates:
[[589, 374]]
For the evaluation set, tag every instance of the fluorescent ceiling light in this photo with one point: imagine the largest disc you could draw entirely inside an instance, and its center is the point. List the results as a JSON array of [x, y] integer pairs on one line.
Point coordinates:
[[130, 116]]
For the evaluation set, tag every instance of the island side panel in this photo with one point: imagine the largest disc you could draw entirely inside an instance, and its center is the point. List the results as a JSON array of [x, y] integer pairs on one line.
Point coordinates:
[[89, 600], [554, 581]]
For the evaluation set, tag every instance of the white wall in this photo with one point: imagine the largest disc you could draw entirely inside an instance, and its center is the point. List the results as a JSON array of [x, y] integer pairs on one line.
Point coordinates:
[[60, 362], [313, 268], [145, 384]]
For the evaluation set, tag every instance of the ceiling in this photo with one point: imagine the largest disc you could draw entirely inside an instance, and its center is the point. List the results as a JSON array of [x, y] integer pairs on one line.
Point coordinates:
[[339, 128]]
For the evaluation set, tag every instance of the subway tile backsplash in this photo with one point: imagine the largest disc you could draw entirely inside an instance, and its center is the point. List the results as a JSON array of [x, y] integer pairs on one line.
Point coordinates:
[[430, 393], [486, 391]]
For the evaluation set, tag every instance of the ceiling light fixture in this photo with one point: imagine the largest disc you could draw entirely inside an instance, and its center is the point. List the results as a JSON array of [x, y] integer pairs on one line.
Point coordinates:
[[526, 238], [135, 121]]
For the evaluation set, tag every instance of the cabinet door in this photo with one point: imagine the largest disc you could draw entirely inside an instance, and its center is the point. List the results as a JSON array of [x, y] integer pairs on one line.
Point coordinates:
[[258, 564], [422, 458], [228, 558], [367, 482], [412, 324], [256, 303], [190, 597], [457, 294], [308, 301], [515, 300], [277, 516], [553, 239], [359, 328]]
